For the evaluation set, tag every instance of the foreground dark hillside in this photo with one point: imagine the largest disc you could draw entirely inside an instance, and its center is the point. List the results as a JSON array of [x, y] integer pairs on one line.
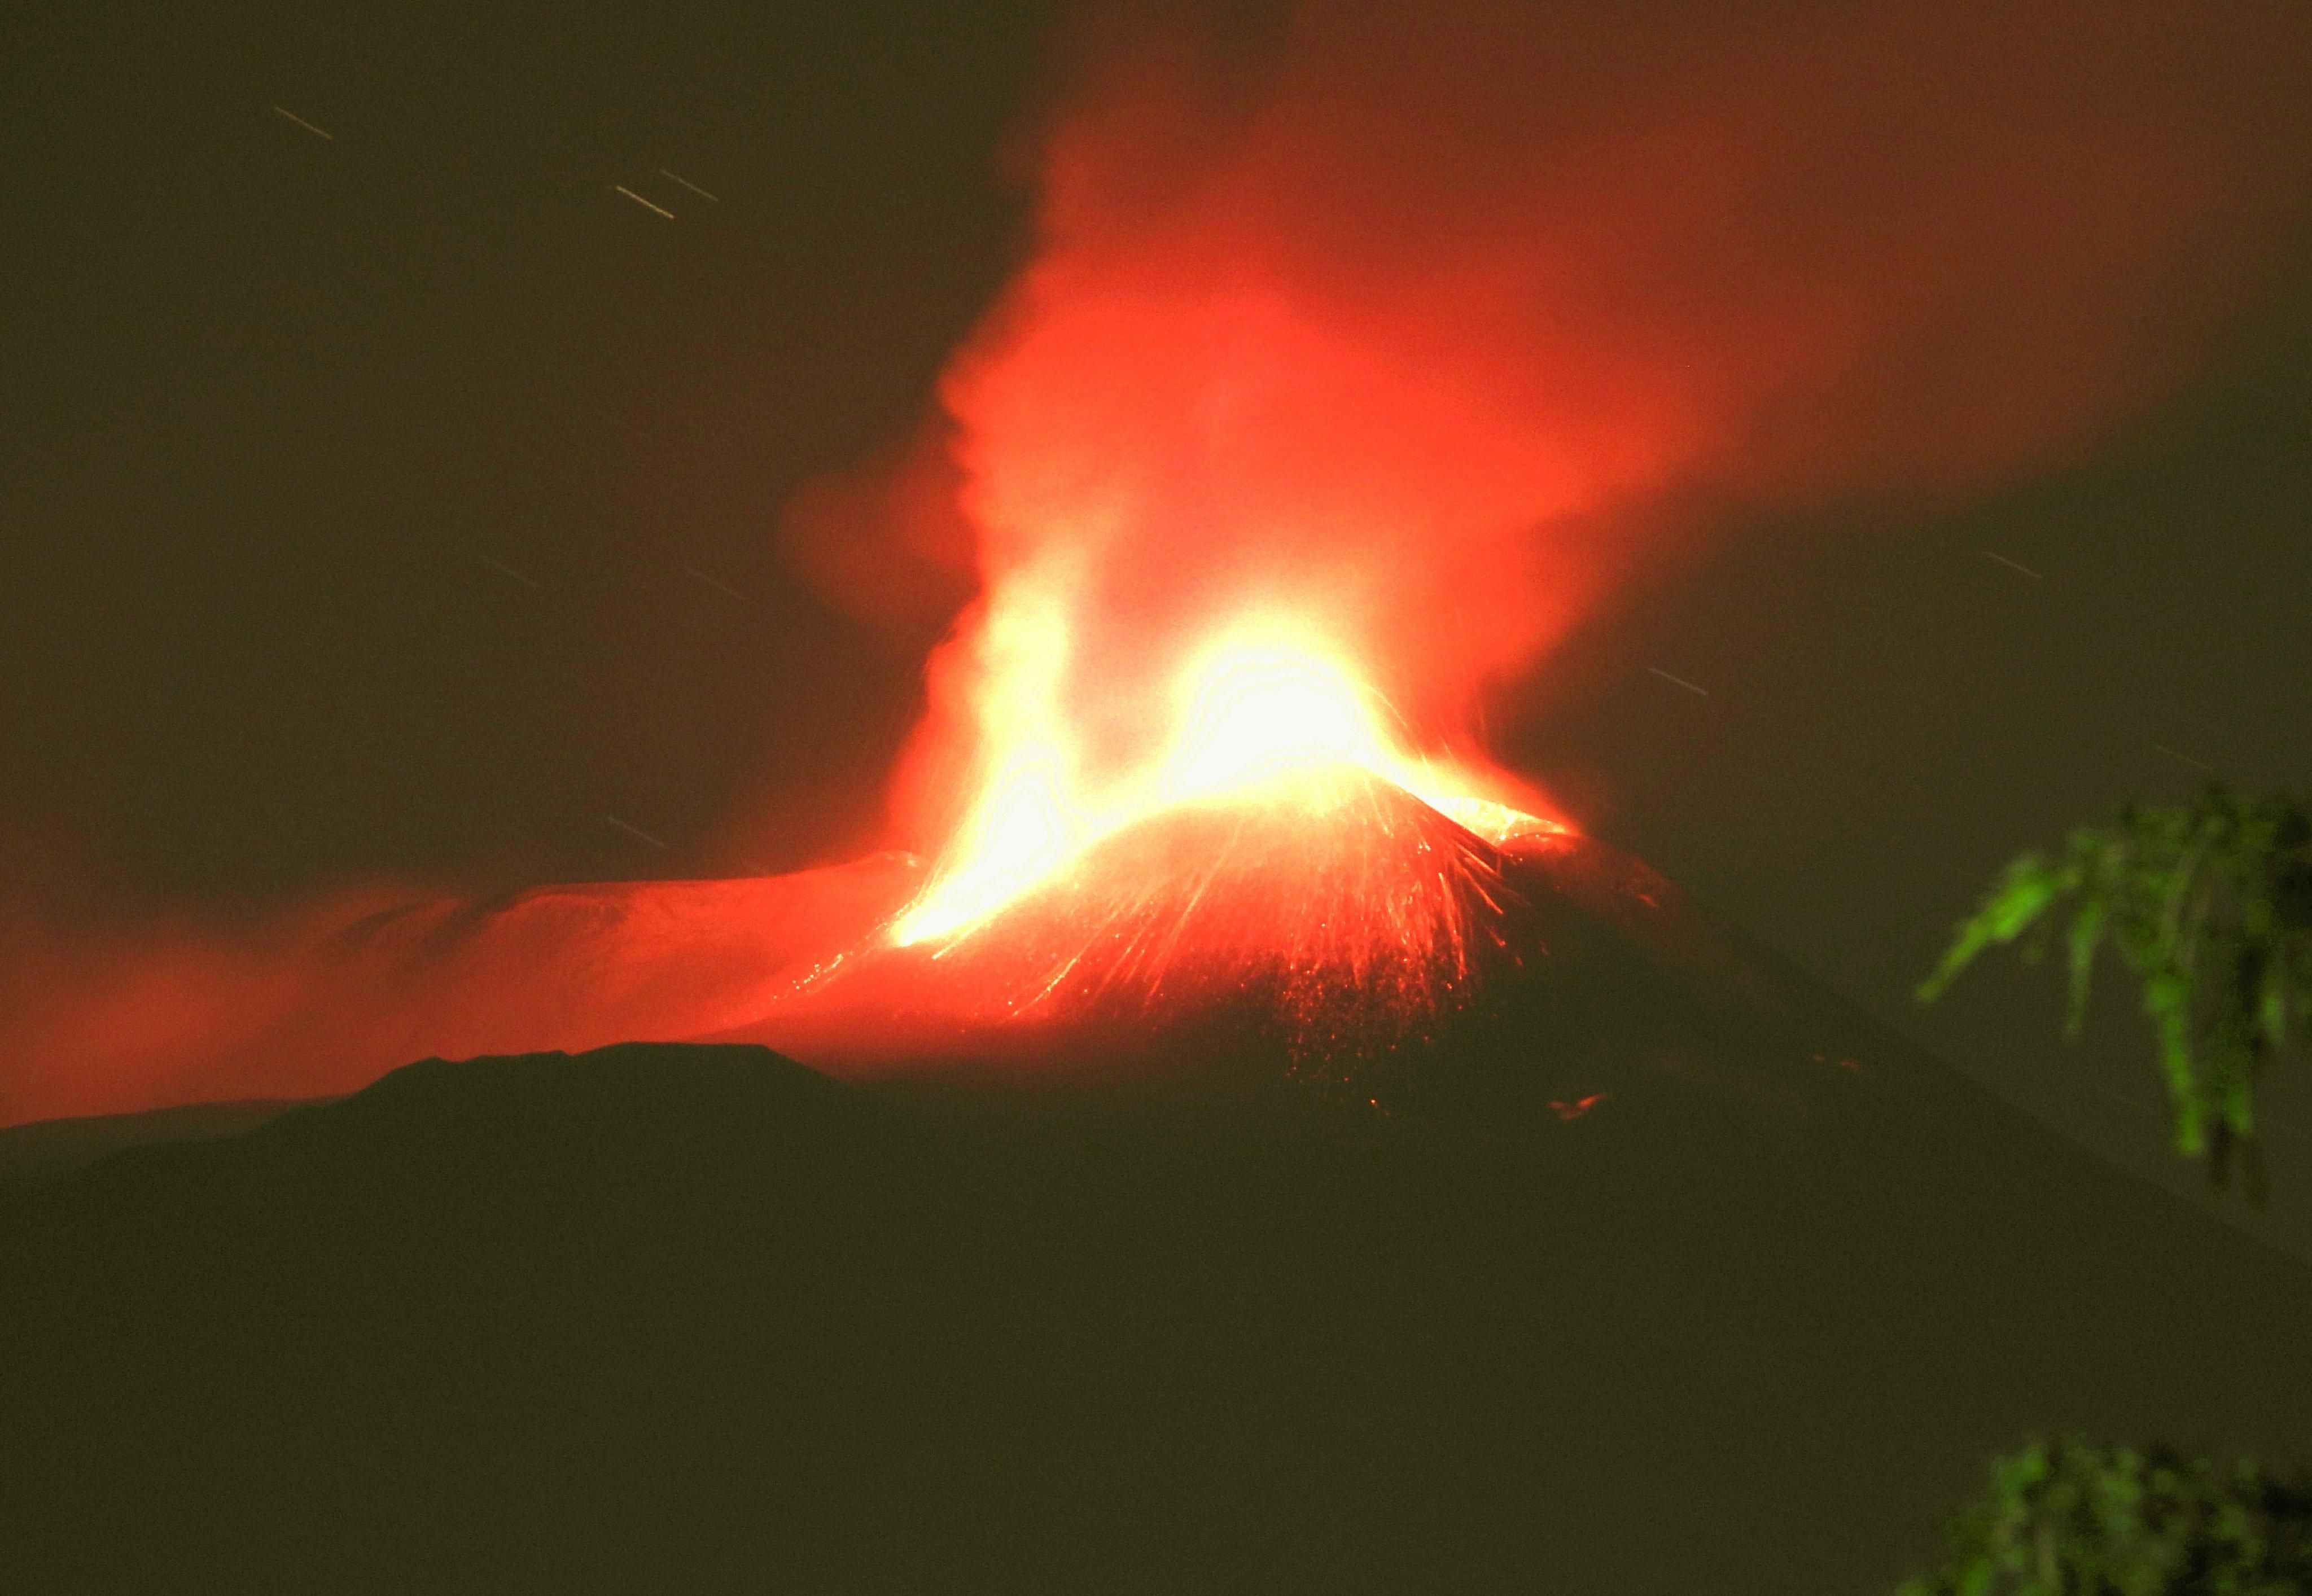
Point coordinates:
[[662, 1317]]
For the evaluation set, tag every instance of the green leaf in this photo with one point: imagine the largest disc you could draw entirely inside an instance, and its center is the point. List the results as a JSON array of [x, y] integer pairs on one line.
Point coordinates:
[[2063, 1517], [2086, 938], [2210, 906]]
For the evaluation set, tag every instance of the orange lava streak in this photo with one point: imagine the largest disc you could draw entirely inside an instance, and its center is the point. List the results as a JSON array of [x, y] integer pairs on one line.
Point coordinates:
[[1265, 704]]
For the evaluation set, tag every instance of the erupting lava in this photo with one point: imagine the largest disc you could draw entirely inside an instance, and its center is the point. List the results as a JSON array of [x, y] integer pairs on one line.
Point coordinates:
[[1263, 716], [1241, 827]]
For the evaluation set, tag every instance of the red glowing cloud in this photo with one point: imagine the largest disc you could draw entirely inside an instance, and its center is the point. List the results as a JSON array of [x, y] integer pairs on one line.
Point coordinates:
[[106, 1015], [1413, 334]]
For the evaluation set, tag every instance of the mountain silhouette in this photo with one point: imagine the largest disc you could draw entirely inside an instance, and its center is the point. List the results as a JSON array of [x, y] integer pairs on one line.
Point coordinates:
[[1651, 1267]]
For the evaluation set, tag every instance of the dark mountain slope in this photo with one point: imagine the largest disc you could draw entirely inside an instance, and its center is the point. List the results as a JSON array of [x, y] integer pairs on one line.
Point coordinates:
[[49, 1148], [662, 1317]]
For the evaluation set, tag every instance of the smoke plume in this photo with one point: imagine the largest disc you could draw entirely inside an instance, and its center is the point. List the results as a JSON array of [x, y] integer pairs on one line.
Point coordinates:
[[1424, 325]]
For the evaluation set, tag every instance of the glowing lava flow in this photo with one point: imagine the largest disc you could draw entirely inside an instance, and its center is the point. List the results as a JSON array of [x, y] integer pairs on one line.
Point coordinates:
[[1265, 708]]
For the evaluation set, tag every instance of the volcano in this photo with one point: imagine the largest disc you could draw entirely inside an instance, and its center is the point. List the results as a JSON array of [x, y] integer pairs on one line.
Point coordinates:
[[1331, 930], [1328, 915], [1573, 1244]]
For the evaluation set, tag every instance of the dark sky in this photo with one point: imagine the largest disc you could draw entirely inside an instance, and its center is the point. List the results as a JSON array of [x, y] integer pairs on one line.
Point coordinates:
[[401, 502], [357, 486]]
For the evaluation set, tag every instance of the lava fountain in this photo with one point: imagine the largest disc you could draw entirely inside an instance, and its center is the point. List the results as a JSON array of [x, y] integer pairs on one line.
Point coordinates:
[[1261, 717], [1278, 852]]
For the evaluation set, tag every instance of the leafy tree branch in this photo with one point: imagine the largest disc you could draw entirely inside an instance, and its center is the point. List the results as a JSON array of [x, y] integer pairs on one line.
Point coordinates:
[[2062, 1518], [2209, 904]]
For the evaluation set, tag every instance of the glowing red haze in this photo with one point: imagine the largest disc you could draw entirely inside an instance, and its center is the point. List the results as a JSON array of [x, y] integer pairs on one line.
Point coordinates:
[[1410, 329], [1361, 351]]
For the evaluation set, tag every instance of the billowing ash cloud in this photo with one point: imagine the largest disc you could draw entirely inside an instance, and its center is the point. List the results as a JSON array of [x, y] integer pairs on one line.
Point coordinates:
[[1423, 323]]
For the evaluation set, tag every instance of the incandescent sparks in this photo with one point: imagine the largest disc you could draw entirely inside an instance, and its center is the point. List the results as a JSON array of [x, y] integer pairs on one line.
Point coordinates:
[[1265, 714]]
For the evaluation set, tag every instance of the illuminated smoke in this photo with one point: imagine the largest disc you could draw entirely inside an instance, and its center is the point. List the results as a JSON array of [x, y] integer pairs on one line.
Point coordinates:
[[1408, 333], [109, 1014]]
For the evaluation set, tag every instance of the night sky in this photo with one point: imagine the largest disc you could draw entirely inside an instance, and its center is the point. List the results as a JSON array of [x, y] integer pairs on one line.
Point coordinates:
[[402, 503]]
